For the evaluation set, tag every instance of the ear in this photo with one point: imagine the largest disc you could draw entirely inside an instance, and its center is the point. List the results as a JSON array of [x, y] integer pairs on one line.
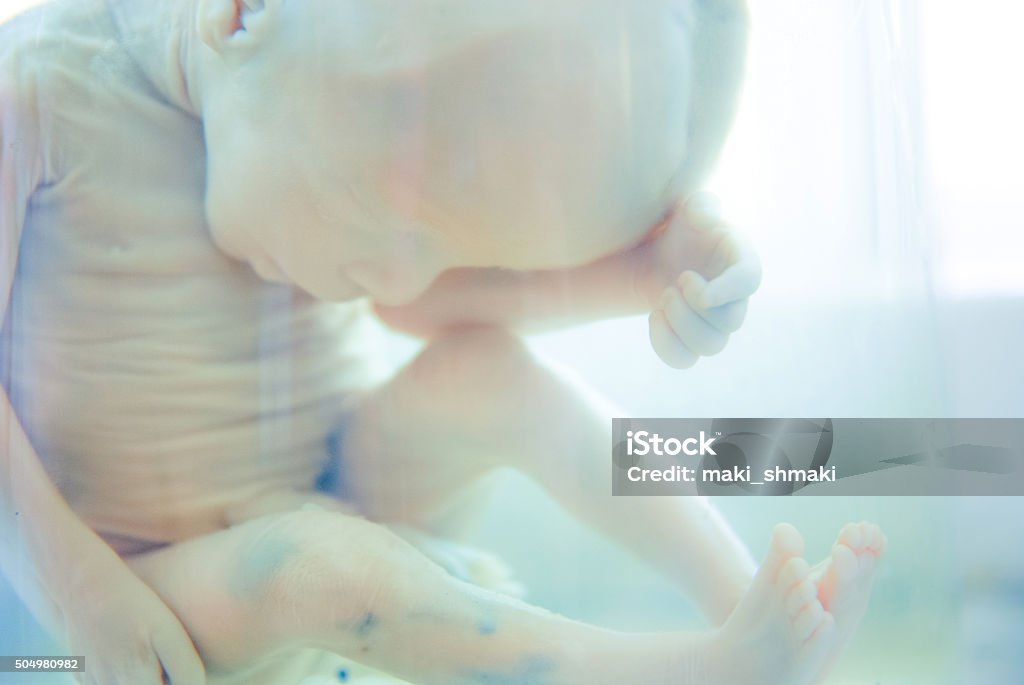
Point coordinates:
[[224, 24]]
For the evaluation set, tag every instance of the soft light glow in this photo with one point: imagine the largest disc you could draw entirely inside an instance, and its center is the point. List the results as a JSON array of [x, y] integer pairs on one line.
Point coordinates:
[[8, 8], [974, 112]]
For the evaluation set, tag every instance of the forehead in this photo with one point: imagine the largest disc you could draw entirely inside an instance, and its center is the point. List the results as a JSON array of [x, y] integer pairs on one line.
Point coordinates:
[[363, 97], [391, 36]]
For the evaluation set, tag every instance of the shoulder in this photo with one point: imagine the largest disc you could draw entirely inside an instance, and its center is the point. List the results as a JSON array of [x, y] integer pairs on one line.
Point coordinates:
[[21, 159], [19, 79], [47, 60], [71, 84], [19, 151]]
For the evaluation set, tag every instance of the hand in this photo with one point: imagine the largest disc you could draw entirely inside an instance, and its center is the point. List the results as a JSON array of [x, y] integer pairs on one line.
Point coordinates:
[[698, 276], [126, 633]]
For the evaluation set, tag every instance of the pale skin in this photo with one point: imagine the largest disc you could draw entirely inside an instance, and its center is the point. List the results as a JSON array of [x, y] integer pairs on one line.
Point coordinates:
[[451, 252]]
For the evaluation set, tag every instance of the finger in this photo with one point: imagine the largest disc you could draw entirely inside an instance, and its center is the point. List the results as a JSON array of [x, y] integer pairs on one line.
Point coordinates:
[[697, 334], [179, 657], [667, 345], [148, 674], [738, 282], [137, 665], [726, 318]]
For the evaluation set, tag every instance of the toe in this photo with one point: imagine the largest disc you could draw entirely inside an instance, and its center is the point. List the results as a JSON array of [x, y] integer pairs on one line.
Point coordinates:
[[808, 620], [867, 534], [842, 568], [787, 541], [844, 562], [851, 536], [799, 597], [793, 572], [875, 539], [786, 544]]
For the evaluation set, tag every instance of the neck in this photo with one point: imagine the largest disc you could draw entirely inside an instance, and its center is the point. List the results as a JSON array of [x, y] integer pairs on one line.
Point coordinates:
[[161, 36]]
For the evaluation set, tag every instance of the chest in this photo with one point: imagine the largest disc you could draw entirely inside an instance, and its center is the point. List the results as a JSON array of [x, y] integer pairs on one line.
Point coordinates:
[[127, 325]]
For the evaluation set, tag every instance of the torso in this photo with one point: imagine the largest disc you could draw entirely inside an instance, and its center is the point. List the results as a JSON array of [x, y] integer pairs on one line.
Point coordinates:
[[161, 382]]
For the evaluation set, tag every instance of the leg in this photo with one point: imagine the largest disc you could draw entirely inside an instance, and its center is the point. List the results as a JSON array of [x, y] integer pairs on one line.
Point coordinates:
[[323, 579], [467, 563], [476, 400]]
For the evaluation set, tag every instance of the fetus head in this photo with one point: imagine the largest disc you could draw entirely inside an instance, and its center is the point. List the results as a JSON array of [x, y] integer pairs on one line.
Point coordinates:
[[363, 147]]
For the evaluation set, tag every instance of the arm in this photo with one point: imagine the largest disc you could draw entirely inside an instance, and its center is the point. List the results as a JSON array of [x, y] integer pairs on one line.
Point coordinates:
[[31, 554], [75, 585], [692, 273], [526, 301]]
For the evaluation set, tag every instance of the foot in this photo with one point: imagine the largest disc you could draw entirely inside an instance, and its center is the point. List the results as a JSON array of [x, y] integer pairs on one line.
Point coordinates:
[[779, 633], [844, 581], [471, 564]]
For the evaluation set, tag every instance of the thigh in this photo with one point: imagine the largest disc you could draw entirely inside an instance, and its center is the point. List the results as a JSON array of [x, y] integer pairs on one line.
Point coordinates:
[[454, 414], [207, 582]]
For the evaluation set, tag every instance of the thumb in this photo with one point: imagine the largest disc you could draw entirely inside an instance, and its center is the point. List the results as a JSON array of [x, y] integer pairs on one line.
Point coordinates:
[[739, 281], [178, 656]]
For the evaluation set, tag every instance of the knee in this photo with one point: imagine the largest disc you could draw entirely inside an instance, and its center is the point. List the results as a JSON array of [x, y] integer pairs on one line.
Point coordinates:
[[300, 562]]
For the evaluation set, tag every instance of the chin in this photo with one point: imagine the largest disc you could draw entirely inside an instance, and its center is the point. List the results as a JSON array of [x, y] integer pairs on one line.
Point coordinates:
[[336, 292]]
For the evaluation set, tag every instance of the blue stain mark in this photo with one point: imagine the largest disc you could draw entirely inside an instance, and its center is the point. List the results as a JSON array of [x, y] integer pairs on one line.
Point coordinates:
[[367, 625], [487, 626], [257, 566], [330, 480], [343, 675]]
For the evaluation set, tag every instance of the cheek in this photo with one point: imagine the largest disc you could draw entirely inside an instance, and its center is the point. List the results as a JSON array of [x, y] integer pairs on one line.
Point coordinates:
[[227, 213], [245, 206], [223, 217]]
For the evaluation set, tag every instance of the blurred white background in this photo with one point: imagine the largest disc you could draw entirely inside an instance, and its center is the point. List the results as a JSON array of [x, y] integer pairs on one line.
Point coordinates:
[[8, 8], [877, 164]]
